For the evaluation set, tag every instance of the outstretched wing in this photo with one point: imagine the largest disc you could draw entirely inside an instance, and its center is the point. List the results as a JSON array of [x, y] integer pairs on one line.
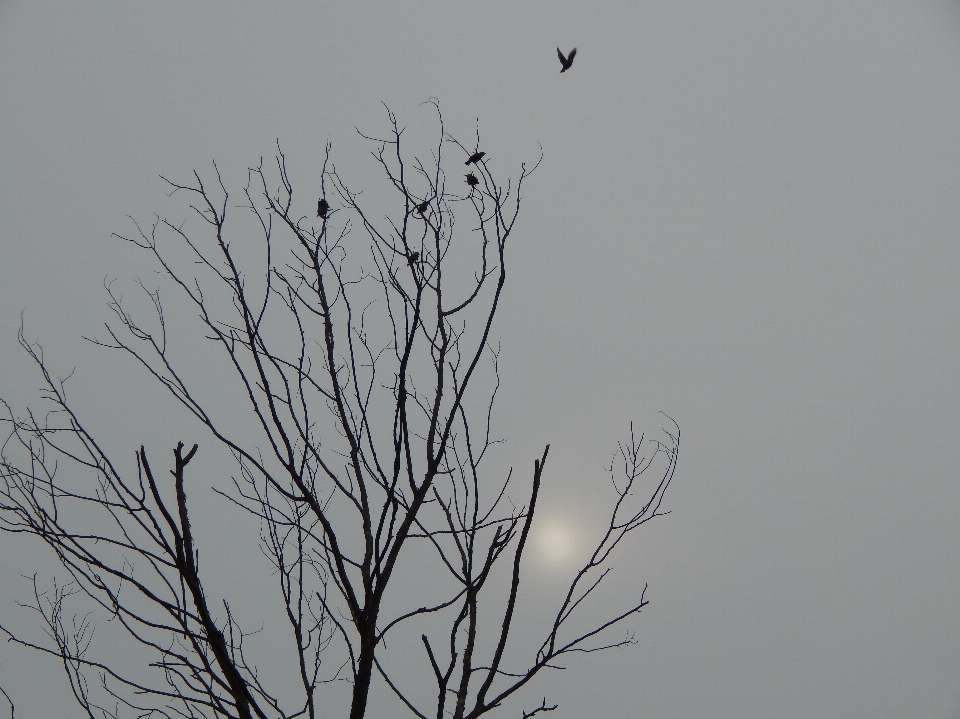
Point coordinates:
[[570, 56], [563, 60]]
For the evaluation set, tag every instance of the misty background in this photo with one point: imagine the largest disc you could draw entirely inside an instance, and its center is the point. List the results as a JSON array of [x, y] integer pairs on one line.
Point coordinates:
[[746, 217]]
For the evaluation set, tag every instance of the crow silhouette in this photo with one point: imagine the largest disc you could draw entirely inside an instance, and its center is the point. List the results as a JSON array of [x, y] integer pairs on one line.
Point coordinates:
[[322, 208], [475, 157], [472, 180], [566, 61], [422, 207]]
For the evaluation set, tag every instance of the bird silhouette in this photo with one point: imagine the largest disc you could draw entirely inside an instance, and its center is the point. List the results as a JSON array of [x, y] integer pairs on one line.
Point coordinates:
[[472, 180], [413, 257], [475, 157], [422, 207], [322, 208], [566, 61]]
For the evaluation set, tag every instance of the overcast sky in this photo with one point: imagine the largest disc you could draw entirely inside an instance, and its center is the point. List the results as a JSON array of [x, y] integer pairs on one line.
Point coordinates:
[[746, 217]]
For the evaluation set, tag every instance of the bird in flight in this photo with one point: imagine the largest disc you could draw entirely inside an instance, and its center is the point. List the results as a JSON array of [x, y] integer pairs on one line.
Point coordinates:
[[566, 61], [475, 157], [472, 180], [322, 208]]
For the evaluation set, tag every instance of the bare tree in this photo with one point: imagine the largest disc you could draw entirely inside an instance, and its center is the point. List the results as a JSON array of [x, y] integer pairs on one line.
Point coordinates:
[[369, 370]]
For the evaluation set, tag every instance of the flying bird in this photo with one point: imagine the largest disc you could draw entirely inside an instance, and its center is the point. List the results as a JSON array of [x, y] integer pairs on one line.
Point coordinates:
[[566, 61], [475, 157], [472, 180], [322, 208], [422, 207]]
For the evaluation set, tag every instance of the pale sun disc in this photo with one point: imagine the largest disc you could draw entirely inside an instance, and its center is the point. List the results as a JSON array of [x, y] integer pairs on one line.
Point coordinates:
[[556, 541]]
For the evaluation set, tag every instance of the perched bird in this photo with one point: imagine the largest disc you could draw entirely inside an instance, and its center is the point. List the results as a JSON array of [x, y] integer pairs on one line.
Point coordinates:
[[566, 61], [322, 208], [475, 157], [472, 180], [413, 257], [422, 207]]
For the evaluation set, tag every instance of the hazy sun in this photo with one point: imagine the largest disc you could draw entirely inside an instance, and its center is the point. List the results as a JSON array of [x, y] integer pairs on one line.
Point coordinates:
[[556, 540]]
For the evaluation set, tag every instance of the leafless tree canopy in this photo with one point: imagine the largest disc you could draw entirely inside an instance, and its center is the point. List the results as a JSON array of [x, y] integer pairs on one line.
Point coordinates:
[[361, 346]]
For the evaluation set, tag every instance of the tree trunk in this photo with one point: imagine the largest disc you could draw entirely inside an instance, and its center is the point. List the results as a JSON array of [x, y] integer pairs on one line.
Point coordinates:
[[361, 684]]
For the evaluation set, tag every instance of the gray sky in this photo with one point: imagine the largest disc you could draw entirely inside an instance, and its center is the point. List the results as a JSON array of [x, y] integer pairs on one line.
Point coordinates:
[[745, 217]]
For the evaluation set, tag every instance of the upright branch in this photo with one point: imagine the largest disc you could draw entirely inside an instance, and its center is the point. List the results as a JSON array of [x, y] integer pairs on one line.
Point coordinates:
[[128, 548]]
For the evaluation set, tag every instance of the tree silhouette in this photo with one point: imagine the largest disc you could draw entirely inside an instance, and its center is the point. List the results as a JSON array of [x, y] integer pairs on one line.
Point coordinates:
[[371, 376]]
